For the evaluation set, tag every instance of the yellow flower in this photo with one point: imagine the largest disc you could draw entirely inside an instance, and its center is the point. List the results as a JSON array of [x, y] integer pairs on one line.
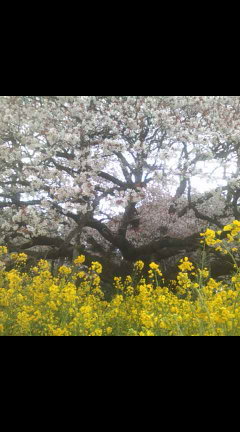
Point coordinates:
[[97, 267], [3, 250], [64, 270], [35, 269], [128, 280], [151, 274], [146, 319], [43, 265], [20, 258], [139, 265], [24, 321], [146, 333], [204, 273], [79, 260], [227, 228], [97, 332], [130, 290], [60, 332], [236, 223], [186, 265], [14, 278], [69, 293], [52, 305], [154, 266]]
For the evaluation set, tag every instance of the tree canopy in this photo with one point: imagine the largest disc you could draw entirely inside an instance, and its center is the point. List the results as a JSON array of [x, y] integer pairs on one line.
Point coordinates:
[[122, 177]]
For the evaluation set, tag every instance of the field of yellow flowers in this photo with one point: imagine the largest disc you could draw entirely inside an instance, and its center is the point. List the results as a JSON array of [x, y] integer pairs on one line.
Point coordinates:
[[71, 302]]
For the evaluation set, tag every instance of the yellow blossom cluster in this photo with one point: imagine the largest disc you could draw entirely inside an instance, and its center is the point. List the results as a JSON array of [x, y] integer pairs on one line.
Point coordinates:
[[19, 257], [225, 240], [139, 265], [154, 272], [64, 270], [79, 260], [72, 302], [3, 250], [185, 265], [97, 267]]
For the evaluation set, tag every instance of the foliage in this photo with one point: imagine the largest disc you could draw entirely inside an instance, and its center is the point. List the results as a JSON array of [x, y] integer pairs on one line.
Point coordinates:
[[71, 302]]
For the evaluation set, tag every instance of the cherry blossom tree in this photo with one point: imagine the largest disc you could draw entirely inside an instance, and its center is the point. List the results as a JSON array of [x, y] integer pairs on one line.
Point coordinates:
[[116, 176]]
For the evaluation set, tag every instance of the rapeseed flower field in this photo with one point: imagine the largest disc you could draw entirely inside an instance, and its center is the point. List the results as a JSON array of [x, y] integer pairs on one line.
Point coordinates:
[[72, 303]]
